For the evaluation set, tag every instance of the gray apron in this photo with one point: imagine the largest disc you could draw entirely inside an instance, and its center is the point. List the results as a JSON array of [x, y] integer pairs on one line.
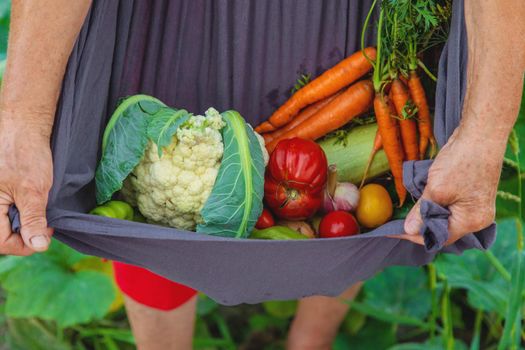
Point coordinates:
[[229, 54]]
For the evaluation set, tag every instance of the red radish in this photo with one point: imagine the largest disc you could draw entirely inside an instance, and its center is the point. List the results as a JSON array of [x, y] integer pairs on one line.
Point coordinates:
[[338, 224], [265, 220]]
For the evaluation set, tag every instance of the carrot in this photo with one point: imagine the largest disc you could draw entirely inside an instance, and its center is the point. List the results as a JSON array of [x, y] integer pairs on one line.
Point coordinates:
[[378, 144], [399, 95], [426, 135], [403, 79], [301, 117], [334, 79], [265, 127], [354, 101], [389, 131], [267, 138]]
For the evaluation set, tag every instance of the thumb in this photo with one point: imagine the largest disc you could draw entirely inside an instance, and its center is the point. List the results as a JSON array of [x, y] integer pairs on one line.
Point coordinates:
[[34, 230], [413, 221]]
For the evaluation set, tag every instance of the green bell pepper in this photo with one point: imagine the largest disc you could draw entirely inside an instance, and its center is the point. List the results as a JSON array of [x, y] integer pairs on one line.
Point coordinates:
[[116, 210], [277, 232]]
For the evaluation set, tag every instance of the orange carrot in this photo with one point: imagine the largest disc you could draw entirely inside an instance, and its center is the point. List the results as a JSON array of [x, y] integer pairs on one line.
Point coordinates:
[[400, 97], [265, 127], [267, 138], [389, 131], [354, 101], [378, 144], [334, 79], [301, 117], [403, 79], [426, 135]]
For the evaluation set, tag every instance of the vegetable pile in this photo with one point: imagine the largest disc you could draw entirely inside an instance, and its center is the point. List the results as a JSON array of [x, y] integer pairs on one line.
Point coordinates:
[[324, 156], [322, 109]]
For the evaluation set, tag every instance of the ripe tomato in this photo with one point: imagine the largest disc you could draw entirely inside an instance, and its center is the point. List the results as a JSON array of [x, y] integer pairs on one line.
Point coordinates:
[[338, 224], [265, 220], [295, 179]]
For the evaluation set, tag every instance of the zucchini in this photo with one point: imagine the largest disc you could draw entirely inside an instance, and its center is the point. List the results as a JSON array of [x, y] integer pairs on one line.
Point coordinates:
[[350, 152]]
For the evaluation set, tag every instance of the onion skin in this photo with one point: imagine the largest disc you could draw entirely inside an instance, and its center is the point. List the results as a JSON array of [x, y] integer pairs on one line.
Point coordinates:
[[345, 197], [302, 227]]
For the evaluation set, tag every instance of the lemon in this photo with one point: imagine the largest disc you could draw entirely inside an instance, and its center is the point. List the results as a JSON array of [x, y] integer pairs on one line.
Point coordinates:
[[374, 207]]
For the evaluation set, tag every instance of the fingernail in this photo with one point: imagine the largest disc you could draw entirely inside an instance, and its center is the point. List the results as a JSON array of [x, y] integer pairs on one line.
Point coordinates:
[[39, 242]]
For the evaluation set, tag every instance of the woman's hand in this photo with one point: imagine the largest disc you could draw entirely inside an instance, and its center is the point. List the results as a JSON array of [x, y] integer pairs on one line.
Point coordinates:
[[25, 180], [463, 178], [30, 90]]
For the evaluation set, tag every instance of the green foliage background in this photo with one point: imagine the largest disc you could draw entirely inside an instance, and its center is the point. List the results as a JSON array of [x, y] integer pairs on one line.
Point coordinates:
[[65, 300]]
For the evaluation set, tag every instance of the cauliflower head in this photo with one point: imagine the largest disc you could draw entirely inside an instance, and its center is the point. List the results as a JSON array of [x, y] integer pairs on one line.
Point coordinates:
[[171, 190]]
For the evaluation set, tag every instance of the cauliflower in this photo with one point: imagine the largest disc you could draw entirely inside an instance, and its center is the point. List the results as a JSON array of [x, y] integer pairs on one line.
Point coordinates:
[[172, 190], [266, 155]]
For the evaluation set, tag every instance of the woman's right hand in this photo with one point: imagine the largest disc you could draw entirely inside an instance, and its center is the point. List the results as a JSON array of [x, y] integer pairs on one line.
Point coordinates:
[[26, 175]]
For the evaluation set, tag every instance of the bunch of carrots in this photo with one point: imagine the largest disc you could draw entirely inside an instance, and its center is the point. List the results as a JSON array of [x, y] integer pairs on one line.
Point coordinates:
[[325, 104], [394, 90]]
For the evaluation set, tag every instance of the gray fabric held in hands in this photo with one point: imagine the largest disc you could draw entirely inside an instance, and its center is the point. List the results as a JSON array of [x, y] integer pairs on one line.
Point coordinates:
[[242, 55]]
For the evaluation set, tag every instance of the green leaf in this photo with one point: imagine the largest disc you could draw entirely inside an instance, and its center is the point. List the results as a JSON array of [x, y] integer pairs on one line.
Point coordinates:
[[63, 255], [5, 13], [486, 288], [2, 70], [7, 263], [165, 124], [46, 286], [302, 81], [259, 322], [428, 345], [31, 334], [205, 305], [515, 301], [124, 142], [506, 207], [374, 335], [399, 291], [280, 309], [472, 272], [513, 173], [235, 202], [354, 321], [117, 334], [5, 9]]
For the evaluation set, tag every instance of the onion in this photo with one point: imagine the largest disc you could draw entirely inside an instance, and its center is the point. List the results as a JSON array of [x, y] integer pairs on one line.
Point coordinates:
[[302, 227], [339, 195]]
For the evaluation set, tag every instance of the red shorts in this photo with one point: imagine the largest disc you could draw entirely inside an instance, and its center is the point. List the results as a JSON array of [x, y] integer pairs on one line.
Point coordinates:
[[150, 289]]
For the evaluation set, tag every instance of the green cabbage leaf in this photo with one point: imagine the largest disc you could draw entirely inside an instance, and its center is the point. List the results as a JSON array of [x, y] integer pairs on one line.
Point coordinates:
[[235, 202]]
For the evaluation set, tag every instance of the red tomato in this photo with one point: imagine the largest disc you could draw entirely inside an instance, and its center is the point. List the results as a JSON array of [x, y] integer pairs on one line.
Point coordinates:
[[338, 224], [265, 220], [295, 179]]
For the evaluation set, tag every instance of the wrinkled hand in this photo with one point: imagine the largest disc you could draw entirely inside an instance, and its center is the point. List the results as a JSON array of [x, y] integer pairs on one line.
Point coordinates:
[[463, 178], [26, 174]]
